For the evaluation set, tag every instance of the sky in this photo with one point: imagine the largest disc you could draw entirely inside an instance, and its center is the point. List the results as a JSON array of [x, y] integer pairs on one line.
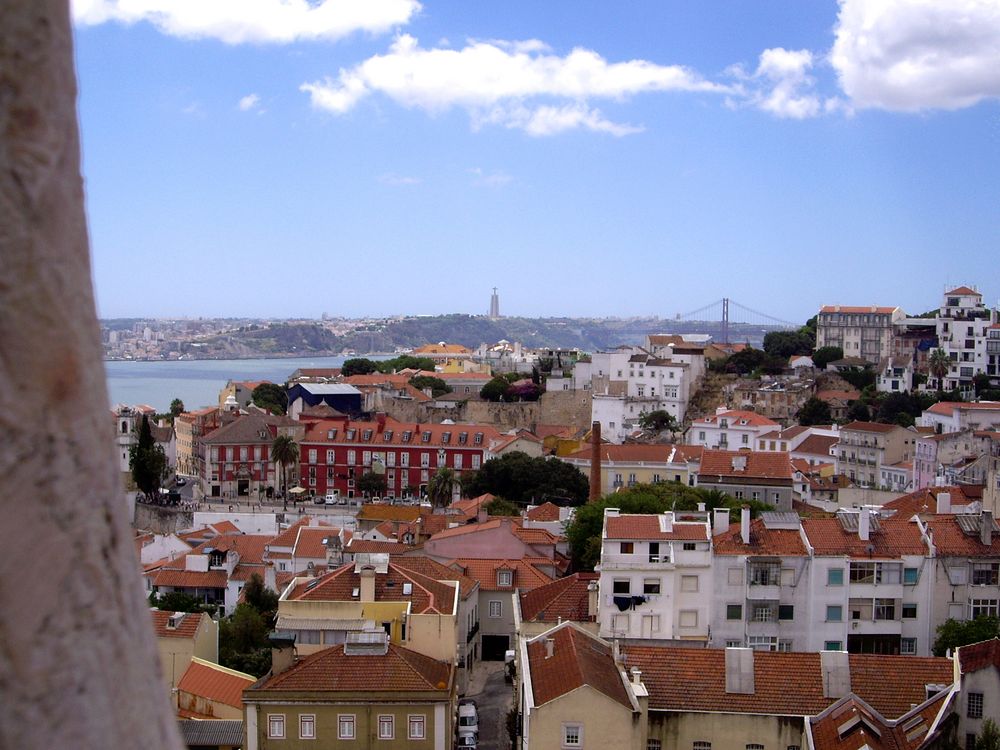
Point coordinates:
[[285, 158]]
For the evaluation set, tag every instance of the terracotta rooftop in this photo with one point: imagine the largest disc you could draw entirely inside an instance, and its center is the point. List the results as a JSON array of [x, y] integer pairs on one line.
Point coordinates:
[[736, 416], [894, 538], [951, 541], [545, 512], [851, 724], [186, 628], [247, 429], [438, 571], [216, 683], [785, 684], [757, 464], [357, 545], [427, 596], [833, 394], [563, 599], [870, 427], [817, 445], [946, 408], [964, 290], [660, 453], [647, 526], [525, 576], [577, 659], [394, 434], [763, 541], [331, 670], [980, 655]]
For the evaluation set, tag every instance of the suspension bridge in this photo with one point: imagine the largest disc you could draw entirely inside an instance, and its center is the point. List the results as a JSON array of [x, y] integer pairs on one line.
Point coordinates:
[[727, 317]]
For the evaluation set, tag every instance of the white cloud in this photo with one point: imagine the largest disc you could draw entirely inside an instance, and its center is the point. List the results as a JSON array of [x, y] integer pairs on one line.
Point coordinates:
[[240, 21], [397, 180], [481, 178], [911, 55], [781, 85], [514, 84], [248, 102]]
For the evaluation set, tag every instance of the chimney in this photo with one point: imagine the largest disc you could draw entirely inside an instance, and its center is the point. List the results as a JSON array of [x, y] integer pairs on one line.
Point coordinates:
[[739, 671], [636, 676], [701, 507], [282, 652], [367, 584], [592, 601], [745, 524], [943, 502], [721, 524], [836, 669], [550, 647], [595, 462], [380, 421], [986, 527], [864, 525]]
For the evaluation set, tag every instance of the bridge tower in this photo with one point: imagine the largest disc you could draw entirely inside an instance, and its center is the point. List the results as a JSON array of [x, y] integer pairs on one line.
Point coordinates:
[[725, 320]]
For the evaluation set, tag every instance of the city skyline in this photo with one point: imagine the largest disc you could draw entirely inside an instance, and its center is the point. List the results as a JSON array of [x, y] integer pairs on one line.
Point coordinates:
[[590, 161]]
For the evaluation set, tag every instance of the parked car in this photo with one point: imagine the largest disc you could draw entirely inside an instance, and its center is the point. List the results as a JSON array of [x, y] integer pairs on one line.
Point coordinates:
[[468, 741], [181, 481], [318, 500], [468, 719], [332, 498]]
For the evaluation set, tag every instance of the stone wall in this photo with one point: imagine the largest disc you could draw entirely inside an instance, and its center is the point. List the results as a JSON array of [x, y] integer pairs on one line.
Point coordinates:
[[162, 520]]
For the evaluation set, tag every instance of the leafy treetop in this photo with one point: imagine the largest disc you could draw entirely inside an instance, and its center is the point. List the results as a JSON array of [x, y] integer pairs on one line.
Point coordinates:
[[521, 479]]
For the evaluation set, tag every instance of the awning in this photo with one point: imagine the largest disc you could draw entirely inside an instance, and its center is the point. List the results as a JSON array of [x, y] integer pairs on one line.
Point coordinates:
[[297, 491], [288, 622]]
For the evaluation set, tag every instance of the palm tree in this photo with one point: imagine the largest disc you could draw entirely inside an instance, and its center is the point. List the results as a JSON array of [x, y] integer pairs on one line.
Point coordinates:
[[939, 364], [284, 452], [441, 487]]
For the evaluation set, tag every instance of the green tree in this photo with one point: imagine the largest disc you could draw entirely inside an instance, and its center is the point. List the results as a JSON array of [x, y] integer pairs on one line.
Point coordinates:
[[938, 364], [441, 487], [495, 389], [284, 453], [500, 507], [437, 385], [860, 378], [406, 362], [371, 484], [898, 408], [954, 633], [261, 598], [989, 738], [857, 411], [785, 344], [658, 421], [270, 396], [176, 407], [522, 479], [814, 411], [357, 366], [243, 641], [176, 601], [825, 355], [147, 462]]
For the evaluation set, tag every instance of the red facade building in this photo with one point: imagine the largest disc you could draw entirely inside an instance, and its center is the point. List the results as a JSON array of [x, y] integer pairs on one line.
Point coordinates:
[[336, 453]]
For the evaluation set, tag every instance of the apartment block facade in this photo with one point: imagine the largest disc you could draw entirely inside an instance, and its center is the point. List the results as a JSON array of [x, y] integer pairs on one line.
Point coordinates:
[[864, 332]]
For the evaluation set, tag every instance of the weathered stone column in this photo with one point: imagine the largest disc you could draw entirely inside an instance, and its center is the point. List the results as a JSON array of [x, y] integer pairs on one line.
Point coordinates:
[[78, 666]]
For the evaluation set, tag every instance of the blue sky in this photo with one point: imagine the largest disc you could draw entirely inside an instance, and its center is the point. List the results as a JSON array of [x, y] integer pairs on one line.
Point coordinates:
[[373, 157]]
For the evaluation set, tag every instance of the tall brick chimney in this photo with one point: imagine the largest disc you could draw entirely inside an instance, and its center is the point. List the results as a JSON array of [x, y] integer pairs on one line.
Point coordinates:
[[595, 461]]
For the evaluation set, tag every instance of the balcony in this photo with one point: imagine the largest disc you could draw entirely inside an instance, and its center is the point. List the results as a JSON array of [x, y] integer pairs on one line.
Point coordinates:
[[472, 633]]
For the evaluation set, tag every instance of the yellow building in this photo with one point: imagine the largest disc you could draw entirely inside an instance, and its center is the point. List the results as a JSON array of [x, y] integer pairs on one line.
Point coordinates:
[[364, 693], [625, 466], [181, 637]]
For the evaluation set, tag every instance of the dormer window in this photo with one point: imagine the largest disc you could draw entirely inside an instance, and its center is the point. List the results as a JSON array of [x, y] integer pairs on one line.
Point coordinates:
[[425, 437], [350, 434], [331, 434], [505, 577], [387, 436], [407, 434], [446, 437], [463, 438], [478, 438], [366, 435]]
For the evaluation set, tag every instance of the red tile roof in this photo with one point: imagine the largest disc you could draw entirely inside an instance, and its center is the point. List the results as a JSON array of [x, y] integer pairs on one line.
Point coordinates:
[[186, 628], [758, 464], [525, 575], [852, 724], [189, 579], [870, 427], [817, 445], [831, 395], [947, 408], [735, 416], [563, 599], [439, 572], [215, 683], [785, 684], [951, 541], [636, 526], [964, 290], [577, 659], [894, 538], [545, 512], [427, 596], [658, 453], [763, 541], [357, 545], [980, 655], [317, 431], [309, 543], [331, 670]]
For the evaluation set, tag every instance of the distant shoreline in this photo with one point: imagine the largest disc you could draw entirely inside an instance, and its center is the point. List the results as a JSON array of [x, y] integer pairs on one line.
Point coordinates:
[[288, 355]]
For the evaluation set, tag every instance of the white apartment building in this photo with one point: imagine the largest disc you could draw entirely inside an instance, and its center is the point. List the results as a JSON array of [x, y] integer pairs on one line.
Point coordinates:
[[655, 577], [864, 332], [730, 429], [628, 382], [969, 334], [867, 449], [955, 416], [895, 375]]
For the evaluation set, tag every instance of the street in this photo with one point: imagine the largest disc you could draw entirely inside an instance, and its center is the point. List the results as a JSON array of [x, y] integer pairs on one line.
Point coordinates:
[[495, 700]]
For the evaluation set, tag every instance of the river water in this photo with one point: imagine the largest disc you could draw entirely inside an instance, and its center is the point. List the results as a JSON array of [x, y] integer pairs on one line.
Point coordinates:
[[197, 382]]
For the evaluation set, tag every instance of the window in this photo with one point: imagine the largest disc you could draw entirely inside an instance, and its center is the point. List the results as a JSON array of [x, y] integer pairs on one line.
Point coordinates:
[[504, 577], [425, 460], [418, 727], [627, 548], [572, 735], [754, 746], [345, 727], [652, 744], [276, 726], [763, 613], [700, 745], [651, 586], [386, 725], [366, 435], [690, 546], [834, 613], [765, 574], [621, 586], [654, 552], [862, 572], [307, 727], [833, 646], [425, 436], [985, 574], [907, 645], [475, 461], [786, 612], [983, 608], [351, 457], [835, 577], [910, 576], [734, 611], [885, 609], [689, 583], [975, 706], [312, 455], [496, 608], [688, 618], [909, 611]]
